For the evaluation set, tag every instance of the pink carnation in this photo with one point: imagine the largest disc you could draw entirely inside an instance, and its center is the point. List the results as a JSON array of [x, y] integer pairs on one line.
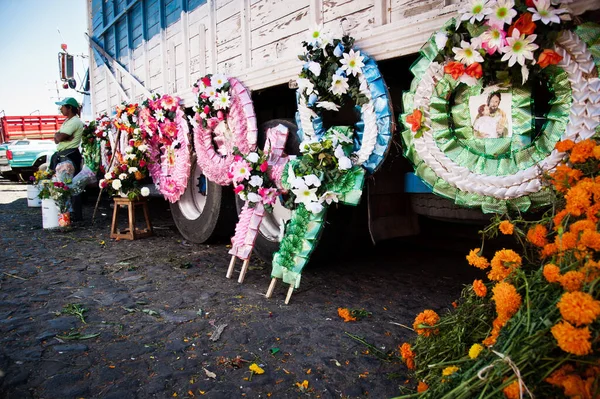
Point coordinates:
[[264, 166], [238, 189], [269, 195]]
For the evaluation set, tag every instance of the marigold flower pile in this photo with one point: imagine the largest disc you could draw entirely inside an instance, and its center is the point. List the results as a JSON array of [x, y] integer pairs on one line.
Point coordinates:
[[542, 315]]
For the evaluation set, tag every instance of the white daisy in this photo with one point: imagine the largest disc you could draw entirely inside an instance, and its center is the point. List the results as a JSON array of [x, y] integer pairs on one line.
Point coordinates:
[[217, 80], [473, 11], [128, 149], [519, 48], [352, 62], [339, 85], [143, 148], [502, 12], [222, 101], [315, 36], [159, 115], [467, 53], [544, 12]]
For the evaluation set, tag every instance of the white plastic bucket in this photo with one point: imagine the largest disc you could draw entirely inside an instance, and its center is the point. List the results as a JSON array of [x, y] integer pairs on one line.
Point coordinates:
[[33, 201], [49, 214]]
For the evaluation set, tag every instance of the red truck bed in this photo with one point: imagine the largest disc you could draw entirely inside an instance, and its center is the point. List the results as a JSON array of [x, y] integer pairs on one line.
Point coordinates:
[[29, 126]]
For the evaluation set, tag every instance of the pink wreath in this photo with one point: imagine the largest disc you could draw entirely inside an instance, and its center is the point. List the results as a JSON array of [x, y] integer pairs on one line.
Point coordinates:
[[170, 163], [240, 121]]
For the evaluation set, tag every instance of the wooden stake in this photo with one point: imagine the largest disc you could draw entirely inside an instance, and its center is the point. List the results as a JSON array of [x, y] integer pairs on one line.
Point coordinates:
[[271, 287], [230, 269], [289, 294], [244, 270]]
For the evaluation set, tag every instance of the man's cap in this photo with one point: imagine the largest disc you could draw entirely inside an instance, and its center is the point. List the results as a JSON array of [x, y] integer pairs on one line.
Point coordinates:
[[68, 101]]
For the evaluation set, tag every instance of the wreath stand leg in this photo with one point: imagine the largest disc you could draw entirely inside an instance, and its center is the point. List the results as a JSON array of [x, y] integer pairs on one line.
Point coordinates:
[[242, 272], [96, 207], [231, 265], [271, 287], [289, 294]]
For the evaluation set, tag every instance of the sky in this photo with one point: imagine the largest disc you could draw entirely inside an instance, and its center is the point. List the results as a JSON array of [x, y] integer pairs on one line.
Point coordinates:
[[29, 52]]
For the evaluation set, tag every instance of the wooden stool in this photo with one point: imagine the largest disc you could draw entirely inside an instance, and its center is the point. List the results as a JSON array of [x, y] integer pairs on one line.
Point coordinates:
[[130, 233]]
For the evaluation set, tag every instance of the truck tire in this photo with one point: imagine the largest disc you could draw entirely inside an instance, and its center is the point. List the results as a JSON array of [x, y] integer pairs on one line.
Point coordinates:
[[267, 241], [436, 207], [207, 215]]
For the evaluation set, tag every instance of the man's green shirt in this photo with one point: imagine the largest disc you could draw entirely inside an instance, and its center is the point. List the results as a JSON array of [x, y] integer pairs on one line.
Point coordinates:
[[72, 127]]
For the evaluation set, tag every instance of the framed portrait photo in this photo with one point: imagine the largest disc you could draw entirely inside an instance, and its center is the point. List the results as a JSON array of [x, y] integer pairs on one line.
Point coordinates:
[[491, 116]]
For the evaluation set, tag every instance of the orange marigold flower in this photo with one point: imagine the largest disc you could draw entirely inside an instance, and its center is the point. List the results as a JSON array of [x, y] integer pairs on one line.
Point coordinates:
[[506, 227], [582, 225], [478, 261], [426, 318], [507, 299], [564, 145], [479, 288], [591, 238], [551, 273], [414, 120], [512, 391], [593, 213], [503, 263], [582, 151], [579, 198], [596, 152], [537, 235], [548, 57], [344, 313], [575, 387], [497, 326], [548, 250], [422, 387], [564, 177], [566, 241], [572, 280], [557, 377], [578, 308], [456, 69], [572, 339], [406, 351]]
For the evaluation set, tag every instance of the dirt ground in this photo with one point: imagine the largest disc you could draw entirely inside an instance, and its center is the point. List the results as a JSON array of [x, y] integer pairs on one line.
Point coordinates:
[[155, 308]]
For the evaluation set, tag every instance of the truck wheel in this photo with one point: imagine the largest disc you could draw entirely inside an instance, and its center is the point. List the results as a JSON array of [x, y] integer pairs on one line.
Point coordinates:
[[267, 241], [436, 207], [205, 211]]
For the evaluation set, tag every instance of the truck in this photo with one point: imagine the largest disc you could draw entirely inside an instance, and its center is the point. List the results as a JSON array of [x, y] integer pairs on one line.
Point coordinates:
[[27, 143], [142, 46]]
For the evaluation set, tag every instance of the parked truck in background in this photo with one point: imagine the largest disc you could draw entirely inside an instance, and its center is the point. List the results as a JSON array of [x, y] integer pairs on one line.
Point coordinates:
[[164, 46], [27, 142]]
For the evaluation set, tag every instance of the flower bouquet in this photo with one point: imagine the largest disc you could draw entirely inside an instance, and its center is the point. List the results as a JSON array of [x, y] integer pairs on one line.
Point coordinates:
[[163, 122], [533, 328], [132, 161], [90, 147], [40, 175], [251, 180], [60, 193], [213, 99]]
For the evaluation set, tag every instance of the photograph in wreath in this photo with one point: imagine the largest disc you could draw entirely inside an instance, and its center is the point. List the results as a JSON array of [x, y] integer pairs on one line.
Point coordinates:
[[491, 115]]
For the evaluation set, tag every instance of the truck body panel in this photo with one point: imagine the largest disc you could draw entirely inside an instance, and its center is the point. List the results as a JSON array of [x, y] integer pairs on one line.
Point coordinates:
[[34, 127]]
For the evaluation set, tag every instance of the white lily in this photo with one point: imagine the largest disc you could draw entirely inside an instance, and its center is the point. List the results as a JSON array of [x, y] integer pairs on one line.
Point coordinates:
[[339, 85], [253, 197], [440, 40], [519, 48], [315, 68], [314, 207], [502, 12], [305, 86], [544, 12], [304, 194], [467, 53], [329, 197], [473, 11]]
